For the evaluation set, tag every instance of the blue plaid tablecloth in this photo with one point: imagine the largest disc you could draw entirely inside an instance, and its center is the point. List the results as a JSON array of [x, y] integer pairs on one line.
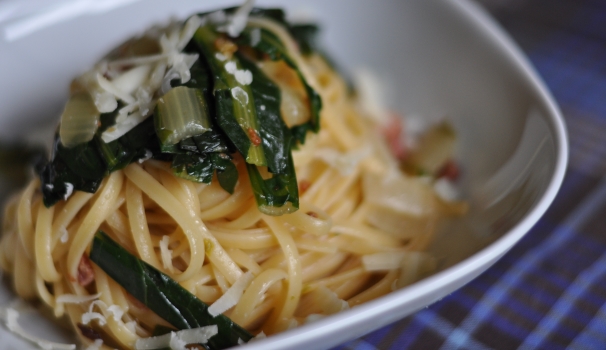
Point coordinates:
[[549, 291]]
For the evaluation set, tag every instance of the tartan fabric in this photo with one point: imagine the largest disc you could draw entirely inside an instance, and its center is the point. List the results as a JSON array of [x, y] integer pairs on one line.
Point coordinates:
[[549, 291]]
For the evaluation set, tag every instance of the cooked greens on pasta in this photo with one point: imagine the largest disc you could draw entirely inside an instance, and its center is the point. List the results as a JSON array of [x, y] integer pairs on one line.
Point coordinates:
[[214, 180]]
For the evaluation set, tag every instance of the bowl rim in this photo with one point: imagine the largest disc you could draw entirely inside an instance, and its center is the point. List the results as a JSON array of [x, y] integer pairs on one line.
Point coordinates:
[[479, 261], [325, 331]]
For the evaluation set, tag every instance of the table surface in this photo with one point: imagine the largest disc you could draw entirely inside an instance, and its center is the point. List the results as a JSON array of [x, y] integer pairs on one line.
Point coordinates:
[[549, 291]]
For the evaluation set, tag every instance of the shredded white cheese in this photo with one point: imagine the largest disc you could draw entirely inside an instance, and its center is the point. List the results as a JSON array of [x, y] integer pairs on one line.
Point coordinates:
[[88, 317], [116, 311], [237, 22], [178, 340], [231, 296], [131, 326], [244, 77], [231, 67], [221, 57], [240, 95], [347, 162], [148, 155], [190, 27], [76, 299], [446, 190], [137, 86], [64, 235], [96, 345], [166, 254], [69, 189]]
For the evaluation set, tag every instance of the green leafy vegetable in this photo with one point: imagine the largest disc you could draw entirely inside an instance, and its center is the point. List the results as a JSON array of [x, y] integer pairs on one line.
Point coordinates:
[[233, 102], [229, 105], [161, 294], [271, 45]]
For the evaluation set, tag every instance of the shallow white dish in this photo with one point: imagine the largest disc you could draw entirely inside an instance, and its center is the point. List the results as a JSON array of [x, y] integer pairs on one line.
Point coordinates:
[[440, 58]]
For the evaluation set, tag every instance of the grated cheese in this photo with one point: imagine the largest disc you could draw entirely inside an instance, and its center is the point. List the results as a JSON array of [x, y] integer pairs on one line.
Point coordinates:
[[76, 299], [108, 86], [237, 22], [64, 235], [221, 57], [230, 67], [137, 86], [446, 190], [148, 155], [231, 296], [166, 254], [90, 316], [96, 345], [240, 95], [116, 311], [178, 340], [244, 77], [69, 189], [346, 162]]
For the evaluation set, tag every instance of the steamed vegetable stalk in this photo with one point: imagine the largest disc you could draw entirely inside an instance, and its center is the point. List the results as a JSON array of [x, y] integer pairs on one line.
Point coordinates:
[[229, 105], [161, 294]]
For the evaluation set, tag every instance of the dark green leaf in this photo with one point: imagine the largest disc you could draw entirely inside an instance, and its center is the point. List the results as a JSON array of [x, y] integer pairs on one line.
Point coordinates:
[[305, 35], [275, 135], [273, 195], [271, 45], [227, 173], [161, 294], [194, 167]]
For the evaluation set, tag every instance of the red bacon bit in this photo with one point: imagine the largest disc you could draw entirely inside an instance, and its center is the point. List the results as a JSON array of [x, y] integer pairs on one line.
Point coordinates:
[[304, 185], [393, 135], [254, 137], [313, 214], [88, 332], [86, 274], [450, 170]]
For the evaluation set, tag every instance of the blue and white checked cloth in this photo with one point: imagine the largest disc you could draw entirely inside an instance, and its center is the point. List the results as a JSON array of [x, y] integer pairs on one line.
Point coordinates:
[[549, 291]]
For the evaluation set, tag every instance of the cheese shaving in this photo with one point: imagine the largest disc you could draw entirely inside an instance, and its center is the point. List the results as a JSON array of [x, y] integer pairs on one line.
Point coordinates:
[[76, 299], [346, 162], [64, 235], [231, 296], [166, 254], [116, 311], [244, 77], [69, 189], [88, 317], [237, 22], [96, 345], [240, 95], [178, 340]]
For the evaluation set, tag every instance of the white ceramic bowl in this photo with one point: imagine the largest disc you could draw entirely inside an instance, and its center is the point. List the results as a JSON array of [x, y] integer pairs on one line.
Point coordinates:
[[439, 58]]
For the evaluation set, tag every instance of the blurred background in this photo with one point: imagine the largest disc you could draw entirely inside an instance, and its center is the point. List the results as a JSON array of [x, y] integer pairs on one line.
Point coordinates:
[[549, 291]]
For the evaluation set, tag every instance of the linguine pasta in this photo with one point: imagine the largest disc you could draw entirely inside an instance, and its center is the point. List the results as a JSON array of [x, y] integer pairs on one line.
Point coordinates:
[[359, 233]]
